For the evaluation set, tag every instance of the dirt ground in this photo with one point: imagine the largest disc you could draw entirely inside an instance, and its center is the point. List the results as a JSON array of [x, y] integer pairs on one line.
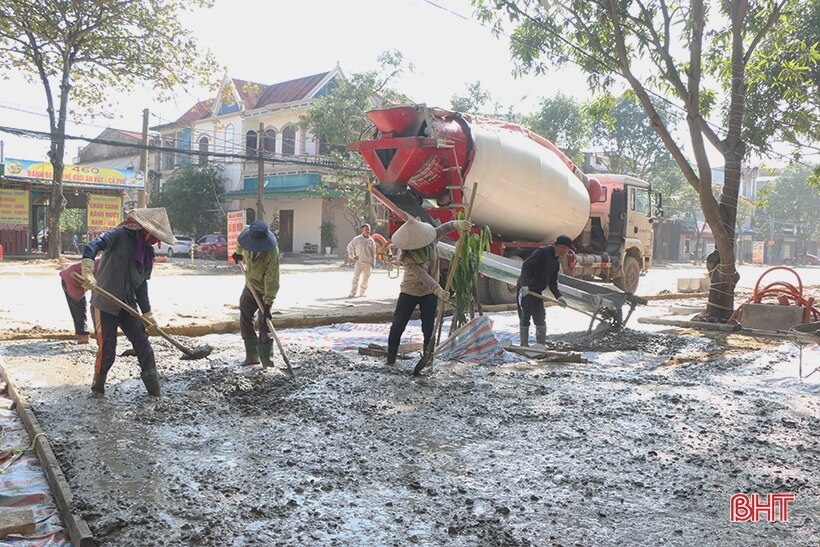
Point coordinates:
[[354, 453]]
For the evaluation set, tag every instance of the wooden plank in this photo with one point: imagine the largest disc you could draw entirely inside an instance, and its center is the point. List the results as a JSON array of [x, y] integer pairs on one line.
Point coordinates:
[[17, 521], [78, 529], [547, 355], [700, 325]]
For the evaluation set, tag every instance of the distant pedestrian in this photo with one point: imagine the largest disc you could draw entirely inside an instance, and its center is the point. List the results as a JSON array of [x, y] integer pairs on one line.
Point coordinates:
[[416, 241], [75, 243], [124, 271], [257, 248], [539, 271], [362, 250], [75, 296]]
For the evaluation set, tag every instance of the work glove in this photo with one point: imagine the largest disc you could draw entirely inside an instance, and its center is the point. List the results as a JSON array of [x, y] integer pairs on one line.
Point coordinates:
[[152, 331], [522, 292], [87, 266], [463, 225], [442, 294], [267, 313], [237, 257], [562, 301]]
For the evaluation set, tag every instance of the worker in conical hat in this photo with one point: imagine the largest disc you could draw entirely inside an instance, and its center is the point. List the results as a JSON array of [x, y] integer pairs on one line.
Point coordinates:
[[416, 241], [124, 271], [257, 248]]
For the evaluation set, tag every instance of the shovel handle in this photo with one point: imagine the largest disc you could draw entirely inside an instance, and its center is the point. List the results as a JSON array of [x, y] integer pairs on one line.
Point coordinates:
[[104, 293]]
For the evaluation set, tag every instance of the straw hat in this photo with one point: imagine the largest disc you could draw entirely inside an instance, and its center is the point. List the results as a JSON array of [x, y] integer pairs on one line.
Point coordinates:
[[155, 221], [413, 234]]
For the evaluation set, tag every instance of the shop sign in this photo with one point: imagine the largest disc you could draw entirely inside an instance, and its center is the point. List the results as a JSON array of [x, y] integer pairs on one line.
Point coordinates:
[[104, 212], [236, 223], [75, 174], [14, 209], [757, 252]]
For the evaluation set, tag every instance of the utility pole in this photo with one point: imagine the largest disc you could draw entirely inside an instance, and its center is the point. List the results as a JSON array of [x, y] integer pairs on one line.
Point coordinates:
[[260, 186], [142, 196]]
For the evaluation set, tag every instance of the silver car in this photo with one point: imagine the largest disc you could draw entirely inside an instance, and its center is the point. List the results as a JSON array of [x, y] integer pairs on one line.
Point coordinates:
[[182, 246]]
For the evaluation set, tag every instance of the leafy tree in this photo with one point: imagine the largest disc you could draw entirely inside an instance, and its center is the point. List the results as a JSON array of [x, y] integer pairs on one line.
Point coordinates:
[[473, 102], [666, 49], [562, 120], [192, 196], [789, 201], [339, 119], [79, 49]]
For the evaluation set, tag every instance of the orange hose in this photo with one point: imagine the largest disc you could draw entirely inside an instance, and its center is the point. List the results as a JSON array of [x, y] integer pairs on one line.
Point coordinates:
[[782, 292]]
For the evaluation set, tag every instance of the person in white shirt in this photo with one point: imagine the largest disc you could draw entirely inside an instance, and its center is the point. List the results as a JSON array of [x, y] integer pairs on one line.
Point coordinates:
[[362, 250]]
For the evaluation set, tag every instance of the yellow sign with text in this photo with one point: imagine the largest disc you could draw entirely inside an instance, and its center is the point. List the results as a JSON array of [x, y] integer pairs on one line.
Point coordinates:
[[13, 209], [104, 212]]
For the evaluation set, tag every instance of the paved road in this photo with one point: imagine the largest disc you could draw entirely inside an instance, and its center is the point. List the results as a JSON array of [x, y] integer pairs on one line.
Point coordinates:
[[31, 297]]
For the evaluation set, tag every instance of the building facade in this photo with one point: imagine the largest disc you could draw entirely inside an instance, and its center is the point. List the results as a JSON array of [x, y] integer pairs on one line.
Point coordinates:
[[231, 128]]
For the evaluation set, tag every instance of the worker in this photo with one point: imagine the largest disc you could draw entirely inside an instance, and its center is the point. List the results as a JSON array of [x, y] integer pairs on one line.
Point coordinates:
[[419, 287], [539, 271], [362, 250], [257, 248], [124, 271], [75, 296]]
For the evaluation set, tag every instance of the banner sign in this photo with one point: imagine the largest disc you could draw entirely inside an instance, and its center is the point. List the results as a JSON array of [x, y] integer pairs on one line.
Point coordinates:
[[236, 222], [75, 174], [757, 252], [13, 209], [104, 212]]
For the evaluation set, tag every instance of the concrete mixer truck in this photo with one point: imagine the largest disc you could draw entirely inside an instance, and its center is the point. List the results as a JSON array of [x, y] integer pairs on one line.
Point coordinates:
[[427, 161]]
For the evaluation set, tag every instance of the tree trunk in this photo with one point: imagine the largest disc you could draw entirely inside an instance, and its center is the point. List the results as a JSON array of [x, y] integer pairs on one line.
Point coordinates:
[[56, 203]]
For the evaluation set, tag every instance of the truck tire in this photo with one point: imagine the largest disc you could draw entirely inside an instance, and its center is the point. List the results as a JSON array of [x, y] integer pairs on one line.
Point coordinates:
[[631, 275], [482, 287], [501, 292]]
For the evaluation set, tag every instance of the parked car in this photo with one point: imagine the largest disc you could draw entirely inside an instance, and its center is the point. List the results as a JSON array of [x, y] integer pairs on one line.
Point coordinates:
[[212, 246], [182, 246], [804, 260]]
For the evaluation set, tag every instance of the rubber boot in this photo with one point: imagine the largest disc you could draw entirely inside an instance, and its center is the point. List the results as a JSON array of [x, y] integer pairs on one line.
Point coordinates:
[[98, 383], [392, 352], [151, 380], [251, 353], [541, 334], [265, 351], [524, 334]]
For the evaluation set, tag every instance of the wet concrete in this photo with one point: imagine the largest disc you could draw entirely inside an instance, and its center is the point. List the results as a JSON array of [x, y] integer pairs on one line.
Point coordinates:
[[354, 453]]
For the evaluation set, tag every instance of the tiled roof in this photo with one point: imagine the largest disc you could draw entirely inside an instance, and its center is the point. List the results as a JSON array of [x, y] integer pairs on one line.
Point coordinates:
[[293, 90], [249, 92], [200, 110], [133, 134]]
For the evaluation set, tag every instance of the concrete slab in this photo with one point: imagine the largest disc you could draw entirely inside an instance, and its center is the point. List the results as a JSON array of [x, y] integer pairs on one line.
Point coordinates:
[[771, 317]]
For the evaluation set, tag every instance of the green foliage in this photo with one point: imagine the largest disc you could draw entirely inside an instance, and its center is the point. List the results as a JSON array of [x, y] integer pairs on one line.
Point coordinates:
[[466, 274], [473, 102], [562, 120], [192, 196], [339, 119], [327, 232], [73, 220], [789, 200]]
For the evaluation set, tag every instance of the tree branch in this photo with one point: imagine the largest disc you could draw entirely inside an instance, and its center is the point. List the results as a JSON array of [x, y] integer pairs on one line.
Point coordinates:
[[770, 22]]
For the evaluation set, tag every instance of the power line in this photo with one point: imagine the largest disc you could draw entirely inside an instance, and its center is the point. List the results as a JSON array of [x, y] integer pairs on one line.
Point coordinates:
[[273, 159]]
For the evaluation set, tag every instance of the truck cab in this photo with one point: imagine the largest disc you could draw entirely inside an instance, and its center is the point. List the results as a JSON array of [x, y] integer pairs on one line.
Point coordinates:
[[616, 244]]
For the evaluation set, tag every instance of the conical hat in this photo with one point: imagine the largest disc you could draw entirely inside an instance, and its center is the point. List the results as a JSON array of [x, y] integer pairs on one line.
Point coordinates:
[[155, 221], [413, 234]]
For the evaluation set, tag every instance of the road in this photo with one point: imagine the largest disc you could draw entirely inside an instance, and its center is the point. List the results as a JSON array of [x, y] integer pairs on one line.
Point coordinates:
[[209, 292]]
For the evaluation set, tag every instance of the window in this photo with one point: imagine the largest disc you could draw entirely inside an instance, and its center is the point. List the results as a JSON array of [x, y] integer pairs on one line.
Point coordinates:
[[168, 160], [324, 146], [269, 141], [250, 144], [203, 150], [604, 191], [641, 201], [229, 140], [288, 141]]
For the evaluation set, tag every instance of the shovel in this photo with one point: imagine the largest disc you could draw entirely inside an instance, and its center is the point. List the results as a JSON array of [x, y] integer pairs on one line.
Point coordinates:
[[267, 319], [427, 355], [190, 354]]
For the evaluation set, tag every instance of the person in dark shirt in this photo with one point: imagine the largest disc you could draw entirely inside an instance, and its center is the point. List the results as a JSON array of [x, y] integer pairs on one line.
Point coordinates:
[[539, 271], [124, 271]]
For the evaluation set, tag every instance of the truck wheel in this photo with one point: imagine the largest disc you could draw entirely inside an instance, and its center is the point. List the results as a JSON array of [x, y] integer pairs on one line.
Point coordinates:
[[482, 287], [501, 292], [632, 274]]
